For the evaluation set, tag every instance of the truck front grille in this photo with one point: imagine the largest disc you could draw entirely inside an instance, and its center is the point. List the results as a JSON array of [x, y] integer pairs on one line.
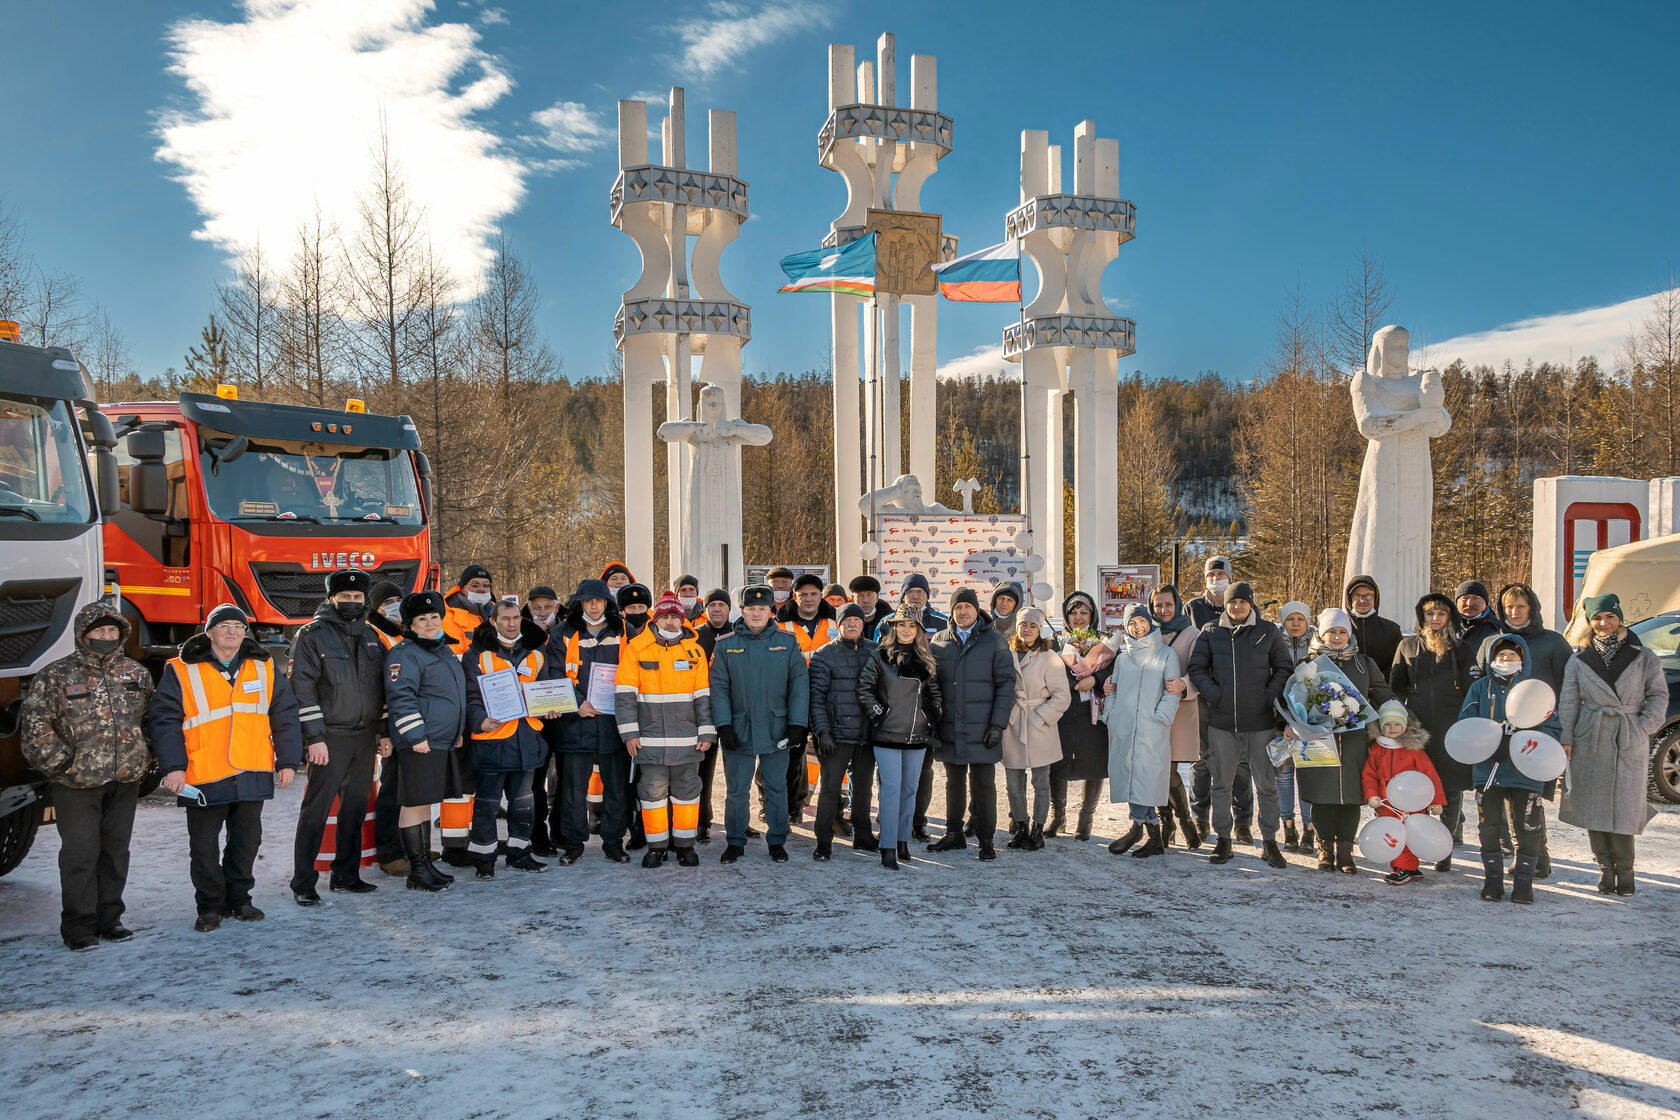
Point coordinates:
[[295, 591], [33, 613]]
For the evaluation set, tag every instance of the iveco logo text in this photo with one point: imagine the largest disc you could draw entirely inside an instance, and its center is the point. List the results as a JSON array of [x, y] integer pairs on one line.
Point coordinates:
[[337, 560]]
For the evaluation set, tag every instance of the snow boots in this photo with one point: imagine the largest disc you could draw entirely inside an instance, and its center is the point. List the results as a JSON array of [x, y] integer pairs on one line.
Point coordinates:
[[1621, 847], [1326, 857], [1605, 855], [1493, 876], [1153, 846], [1522, 880], [1124, 843], [1291, 839], [1344, 858], [1221, 851], [1018, 837], [1058, 807], [1195, 831], [1269, 852]]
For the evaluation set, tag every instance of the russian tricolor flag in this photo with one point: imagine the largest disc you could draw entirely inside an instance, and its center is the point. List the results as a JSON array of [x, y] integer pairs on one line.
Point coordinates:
[[993, 275]]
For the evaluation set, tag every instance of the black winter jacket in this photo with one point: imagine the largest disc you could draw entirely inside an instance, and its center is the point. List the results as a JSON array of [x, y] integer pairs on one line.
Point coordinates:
[[1548, 649], [886, 687], [587, 734], [1433, 687], [977, 690], [1377, 637], [835, 669], [1240, 671], [338, 674]]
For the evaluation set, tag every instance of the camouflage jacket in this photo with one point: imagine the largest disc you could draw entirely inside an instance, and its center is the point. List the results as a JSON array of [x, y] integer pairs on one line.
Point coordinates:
[[81, 715]]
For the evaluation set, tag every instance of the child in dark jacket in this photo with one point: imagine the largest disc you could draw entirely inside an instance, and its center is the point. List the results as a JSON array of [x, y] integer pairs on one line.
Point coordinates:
[[1399, 748]]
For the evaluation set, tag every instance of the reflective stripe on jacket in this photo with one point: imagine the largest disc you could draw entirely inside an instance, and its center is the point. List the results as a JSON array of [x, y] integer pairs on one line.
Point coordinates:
[[664, 697], [226, 722]]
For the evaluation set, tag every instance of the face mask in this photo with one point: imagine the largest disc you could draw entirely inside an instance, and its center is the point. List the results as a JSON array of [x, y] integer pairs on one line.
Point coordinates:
[[393, 612], [687, 601], [478, 598], [782, 596], [595, 619], [506, 641], [1365, 614], [350, 612], [1218, 586], [670, 635], [104, 646], [1507, 668]]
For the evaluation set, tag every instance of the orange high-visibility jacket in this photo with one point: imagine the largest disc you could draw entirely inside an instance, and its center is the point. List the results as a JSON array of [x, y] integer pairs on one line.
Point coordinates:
[[226, 725], [664, 697]]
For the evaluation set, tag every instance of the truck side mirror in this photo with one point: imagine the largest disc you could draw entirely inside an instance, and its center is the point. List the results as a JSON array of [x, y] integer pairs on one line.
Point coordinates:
[[148, 478], [232, 449], [105, 481], [146, 445], [424, 466]]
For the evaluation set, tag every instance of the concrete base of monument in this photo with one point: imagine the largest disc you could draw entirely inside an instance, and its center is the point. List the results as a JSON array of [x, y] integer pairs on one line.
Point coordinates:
[[1061, 983]]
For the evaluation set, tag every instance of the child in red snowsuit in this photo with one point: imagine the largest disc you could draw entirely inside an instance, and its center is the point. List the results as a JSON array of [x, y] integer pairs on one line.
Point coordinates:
[[1399, 748]]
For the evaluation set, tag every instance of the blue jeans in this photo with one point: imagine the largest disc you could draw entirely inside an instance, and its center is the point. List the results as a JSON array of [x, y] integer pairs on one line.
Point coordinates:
[[1286, 795], [1145, 814], [900, 770], [738, 769]]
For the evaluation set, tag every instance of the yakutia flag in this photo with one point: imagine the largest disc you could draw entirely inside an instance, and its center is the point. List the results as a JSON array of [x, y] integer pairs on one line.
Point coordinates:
[[847, 270], [992, 275]]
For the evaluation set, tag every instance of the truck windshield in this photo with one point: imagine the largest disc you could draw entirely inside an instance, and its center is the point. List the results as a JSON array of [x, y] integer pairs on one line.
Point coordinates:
[[286, 480], [42, 474]]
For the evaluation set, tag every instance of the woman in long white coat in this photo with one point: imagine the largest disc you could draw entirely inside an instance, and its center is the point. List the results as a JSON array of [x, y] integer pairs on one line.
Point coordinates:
[[1144, 693], [1031, 743]]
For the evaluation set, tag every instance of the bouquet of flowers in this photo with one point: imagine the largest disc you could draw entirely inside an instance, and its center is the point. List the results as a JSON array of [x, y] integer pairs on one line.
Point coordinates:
[[1319, 701]]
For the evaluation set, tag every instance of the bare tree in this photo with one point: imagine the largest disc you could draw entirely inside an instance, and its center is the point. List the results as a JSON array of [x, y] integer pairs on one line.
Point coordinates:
[[16, 268], [1358, 311], [107, 354], [504, 323], [311, 298], [250, 310], [1653, 359], [54, 314], [383, 260]]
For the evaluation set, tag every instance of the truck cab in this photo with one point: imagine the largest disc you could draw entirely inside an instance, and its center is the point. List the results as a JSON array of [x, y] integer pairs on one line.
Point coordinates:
[[222, 500], [51, 434]]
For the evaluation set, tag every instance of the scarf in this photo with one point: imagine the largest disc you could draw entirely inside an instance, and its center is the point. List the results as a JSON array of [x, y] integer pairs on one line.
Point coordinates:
[[1607, 648]]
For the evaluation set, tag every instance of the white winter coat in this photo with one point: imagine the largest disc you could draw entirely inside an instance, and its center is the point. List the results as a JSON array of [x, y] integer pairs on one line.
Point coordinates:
[[1140, 717], [1041, 696]]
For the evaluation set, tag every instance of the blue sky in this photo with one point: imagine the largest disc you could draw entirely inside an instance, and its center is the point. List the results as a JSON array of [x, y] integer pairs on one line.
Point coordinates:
[[1506, 163]]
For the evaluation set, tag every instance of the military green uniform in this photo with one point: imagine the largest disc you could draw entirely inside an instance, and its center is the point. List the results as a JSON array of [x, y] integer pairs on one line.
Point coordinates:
[[81, 730]]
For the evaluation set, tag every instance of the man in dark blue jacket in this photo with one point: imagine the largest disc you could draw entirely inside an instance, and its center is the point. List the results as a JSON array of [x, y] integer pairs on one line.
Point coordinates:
[[505, 753], [586, 649], [977, 684], [841, 732]]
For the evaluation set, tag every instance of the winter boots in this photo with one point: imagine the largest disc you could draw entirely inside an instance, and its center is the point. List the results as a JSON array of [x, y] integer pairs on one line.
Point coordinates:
[[950, 842], [1269, 852], [1245, 835], [1522, 880], [1124, 843], [1168, 828], [1344, 858], [1621, 848], [1058, 807], [653, 857], [688, 857], [1018, 837], [1493, 876], [525, 861], [1307, 842], [1291, 840], [889, 858], [1035, 839], [1604, 854], [1221, 851], [1153, 846], [1195, 831], [422, 876], [1326, 858]]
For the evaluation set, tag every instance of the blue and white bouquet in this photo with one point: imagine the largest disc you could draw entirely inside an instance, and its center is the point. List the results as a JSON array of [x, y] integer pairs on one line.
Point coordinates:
[[1320, 701]]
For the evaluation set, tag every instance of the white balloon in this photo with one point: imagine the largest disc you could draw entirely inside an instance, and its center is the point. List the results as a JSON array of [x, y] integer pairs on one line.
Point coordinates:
[[1023, 541], [1382, 839], [1537, 755], [1473, 739], [1034, 563], [1530, 703], [1429, 839], [869, 550], [1042, 591], [1410, 791]]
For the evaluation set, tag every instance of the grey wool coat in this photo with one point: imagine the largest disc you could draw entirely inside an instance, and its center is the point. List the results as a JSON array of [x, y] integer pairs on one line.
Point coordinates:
[[1608, 729]]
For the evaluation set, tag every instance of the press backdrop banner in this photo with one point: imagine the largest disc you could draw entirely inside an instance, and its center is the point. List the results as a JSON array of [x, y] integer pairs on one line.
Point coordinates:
[[953, 551], [1123, 585]]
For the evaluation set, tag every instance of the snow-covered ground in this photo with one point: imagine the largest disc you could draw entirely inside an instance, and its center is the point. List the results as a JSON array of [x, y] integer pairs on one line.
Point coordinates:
[[1065, 983]]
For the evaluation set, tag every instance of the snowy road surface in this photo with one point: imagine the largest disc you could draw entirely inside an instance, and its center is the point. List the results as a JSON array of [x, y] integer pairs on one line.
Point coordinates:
[[1065, 983]]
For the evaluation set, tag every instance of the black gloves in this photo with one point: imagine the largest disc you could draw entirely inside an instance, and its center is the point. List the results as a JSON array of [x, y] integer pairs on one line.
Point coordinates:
[[726, 738], [795, 736], [994, 737], [825, 745]]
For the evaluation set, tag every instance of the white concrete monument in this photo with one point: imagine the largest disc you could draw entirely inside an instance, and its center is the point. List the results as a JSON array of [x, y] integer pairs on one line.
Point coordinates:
[[886, 152], [904, 495], [1399, 412], [677, 310], [710, 509], [1068, 341]]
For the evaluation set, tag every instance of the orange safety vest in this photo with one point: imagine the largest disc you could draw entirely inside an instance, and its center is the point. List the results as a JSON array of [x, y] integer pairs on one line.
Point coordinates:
[[226, 726], [489, 662], [827, 631]]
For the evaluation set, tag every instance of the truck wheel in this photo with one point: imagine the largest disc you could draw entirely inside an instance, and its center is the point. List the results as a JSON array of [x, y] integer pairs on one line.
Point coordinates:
[[17, 833], [1665, 766], [150, 779]]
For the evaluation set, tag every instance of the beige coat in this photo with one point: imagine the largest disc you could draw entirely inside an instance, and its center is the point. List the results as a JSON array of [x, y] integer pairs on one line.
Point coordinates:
[[1187, 724], [1041, 696]]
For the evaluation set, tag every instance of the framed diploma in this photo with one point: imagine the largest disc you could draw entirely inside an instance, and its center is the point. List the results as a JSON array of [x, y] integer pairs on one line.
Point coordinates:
[[550, 698], [603, 688], [503, 698]]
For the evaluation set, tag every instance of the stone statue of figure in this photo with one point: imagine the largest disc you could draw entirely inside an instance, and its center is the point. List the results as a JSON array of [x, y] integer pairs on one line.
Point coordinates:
[[1398, 412], [711, 507], [903, 496]]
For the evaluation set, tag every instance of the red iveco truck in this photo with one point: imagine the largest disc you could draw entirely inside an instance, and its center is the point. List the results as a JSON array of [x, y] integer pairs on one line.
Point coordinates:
[[224, 500]]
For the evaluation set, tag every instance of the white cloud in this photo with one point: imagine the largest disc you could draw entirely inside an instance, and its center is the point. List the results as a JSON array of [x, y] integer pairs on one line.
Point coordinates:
[[573, 128], [984, 361], [285, 110], [1562, 337], [718, 41], [492, 15]]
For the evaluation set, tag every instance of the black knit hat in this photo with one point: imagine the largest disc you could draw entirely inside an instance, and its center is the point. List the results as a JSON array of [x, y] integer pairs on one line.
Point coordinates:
[[348, 579], [757, 595], [864, 583], [852, 610], [686, 581], [965, 595], [541, 591], [226, 612], [1472, 587], [718, 595], [472, 572], [779, 573], [633, 593], [383, 592], [422, 602], [1240, 590], [808, 579]]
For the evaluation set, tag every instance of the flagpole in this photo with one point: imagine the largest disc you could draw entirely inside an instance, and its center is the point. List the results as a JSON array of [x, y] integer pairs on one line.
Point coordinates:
[[870, 419]]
